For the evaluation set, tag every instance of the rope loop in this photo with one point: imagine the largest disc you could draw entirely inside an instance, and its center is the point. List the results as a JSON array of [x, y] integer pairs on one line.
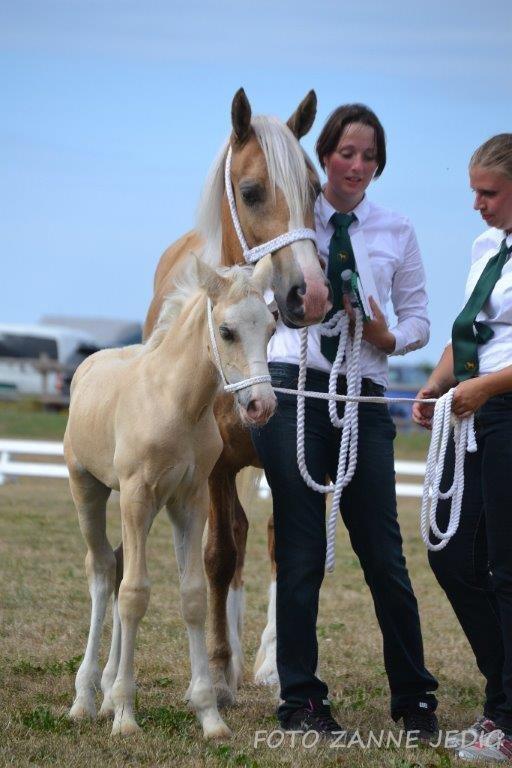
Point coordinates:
[[464, 439]]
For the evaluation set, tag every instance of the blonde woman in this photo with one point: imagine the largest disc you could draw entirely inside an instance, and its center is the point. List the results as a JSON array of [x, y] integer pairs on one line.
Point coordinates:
[[475, 569]]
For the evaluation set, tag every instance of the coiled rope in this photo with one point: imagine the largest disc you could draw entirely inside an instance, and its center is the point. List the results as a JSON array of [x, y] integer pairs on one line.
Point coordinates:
[[464, 438]]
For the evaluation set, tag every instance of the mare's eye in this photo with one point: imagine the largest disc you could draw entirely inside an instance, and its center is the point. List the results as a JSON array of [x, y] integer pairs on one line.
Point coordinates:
[[252, 194], [226, 333]]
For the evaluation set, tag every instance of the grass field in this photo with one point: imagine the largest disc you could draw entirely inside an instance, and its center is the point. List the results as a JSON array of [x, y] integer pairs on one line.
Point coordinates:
[[44, 624]]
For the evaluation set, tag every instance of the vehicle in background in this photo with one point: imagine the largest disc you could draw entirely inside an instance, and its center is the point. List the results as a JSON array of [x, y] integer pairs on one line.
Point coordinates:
[[35, 358], [405, 381], [106, 332]]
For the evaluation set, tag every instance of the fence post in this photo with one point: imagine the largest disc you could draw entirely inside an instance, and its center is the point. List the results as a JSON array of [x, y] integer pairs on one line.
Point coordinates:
[[4, 458]]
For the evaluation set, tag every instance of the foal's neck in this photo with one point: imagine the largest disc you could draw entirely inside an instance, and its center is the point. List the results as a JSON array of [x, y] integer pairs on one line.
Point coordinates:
[[190, 377]]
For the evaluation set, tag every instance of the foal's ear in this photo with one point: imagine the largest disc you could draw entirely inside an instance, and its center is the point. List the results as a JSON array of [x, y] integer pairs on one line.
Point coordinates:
[[210, 280], [304, 116], [241, 116], [261, 278]]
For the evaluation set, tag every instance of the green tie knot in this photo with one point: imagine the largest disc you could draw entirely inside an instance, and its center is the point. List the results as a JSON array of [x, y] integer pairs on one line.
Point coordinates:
[[342, 220]]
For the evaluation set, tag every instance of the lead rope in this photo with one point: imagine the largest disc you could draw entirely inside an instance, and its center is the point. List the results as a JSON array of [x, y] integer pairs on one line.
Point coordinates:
[[348, 349], [463, 435]]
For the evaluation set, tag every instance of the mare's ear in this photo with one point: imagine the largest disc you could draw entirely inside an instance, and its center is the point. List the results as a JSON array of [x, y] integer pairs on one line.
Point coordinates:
[[303, 117], [261, 278], [241, 116], [210, 280]]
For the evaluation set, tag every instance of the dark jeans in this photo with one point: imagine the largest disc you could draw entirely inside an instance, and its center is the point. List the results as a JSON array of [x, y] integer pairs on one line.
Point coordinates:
[[368, 508], [475, 568]]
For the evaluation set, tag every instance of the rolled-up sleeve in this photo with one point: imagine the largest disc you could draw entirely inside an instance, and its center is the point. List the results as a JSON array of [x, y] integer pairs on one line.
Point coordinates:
[[409, 296]]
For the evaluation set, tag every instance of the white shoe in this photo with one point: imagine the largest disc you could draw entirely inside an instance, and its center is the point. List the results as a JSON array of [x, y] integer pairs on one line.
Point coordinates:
[[469, 736], [493, 747]]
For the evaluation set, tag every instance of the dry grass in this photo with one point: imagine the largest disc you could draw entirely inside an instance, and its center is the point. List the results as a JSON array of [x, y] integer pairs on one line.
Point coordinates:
[[45, 620]]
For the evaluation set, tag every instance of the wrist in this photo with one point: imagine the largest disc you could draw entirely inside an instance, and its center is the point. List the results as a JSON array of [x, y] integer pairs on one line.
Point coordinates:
[[388, 343], [435, 386], [490, 385]]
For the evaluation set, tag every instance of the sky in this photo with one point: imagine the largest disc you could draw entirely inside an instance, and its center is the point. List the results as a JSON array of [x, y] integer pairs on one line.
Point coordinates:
[[113, 110]]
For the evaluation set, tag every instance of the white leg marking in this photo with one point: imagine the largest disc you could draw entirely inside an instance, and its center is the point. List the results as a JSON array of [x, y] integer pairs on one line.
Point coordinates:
[[112, 665], [101, 569], [188, 528], [235, 612], [265, 667]]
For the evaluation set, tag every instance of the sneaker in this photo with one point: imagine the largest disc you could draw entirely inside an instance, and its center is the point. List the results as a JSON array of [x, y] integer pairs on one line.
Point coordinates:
[[494, 747], [469, 736], [315, 716], [422, 724]]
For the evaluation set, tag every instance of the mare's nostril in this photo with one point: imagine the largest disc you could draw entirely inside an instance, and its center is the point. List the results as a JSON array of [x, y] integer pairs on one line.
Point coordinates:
[[295, 298]]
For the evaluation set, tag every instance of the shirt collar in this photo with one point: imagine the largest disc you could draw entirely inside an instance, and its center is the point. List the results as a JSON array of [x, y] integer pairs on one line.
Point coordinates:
[[325, 210]]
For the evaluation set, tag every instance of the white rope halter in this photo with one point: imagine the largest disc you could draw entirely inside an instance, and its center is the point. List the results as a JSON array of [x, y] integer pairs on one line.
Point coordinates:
[[252, 255], [244, 383]]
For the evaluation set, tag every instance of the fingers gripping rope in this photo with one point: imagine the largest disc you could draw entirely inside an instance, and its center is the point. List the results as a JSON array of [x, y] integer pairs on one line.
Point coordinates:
[[464, 438]]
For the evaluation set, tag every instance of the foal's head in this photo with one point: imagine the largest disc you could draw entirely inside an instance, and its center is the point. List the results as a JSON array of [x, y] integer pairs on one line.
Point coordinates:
[[242, 325], [274, 188]]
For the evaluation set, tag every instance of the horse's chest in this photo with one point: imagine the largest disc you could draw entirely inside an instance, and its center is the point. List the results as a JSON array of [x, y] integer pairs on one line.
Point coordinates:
[[177, 481]]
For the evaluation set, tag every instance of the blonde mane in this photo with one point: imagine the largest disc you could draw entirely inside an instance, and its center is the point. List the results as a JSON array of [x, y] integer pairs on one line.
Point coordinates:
[[287, 170], [187, 285]]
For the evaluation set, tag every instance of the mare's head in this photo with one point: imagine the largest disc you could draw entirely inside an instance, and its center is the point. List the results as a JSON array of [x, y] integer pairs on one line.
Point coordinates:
[[242, 326], [274, 187]]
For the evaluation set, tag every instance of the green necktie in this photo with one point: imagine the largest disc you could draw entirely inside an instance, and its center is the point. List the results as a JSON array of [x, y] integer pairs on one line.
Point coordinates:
[[467, 333], [341, 257]]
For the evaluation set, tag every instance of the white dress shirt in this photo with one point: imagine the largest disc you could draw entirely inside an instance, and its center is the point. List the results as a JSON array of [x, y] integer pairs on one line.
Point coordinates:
[[497, 311], [398, 272]]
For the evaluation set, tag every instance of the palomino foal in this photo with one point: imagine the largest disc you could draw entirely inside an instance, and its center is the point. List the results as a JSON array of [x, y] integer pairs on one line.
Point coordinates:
[[141, 421]]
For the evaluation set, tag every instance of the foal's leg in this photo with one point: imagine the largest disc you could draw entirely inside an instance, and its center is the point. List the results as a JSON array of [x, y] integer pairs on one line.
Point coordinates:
[[110, 671], [188, 526], [90, 497], [137, 512], [265, 666], [220, 558], [236, 601]]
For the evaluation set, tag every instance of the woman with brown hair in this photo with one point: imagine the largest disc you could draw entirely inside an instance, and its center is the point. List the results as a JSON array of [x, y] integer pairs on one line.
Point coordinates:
[[475, 569], [352, 150]]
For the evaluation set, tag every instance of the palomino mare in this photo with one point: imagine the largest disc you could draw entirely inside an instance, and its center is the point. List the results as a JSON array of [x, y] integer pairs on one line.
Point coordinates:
[[275, 187], [141, 421]]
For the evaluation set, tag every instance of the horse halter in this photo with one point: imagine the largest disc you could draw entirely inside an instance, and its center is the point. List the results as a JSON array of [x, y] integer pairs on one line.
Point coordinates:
[[252, 255], [244, 383]]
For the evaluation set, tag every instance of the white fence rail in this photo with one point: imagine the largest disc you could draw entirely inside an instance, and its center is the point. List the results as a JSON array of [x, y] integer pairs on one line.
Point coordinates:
[[10, 468]]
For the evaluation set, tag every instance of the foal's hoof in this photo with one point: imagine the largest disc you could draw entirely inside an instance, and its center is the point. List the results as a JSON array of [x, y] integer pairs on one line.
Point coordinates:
[[124, 726], [107, 710], [216, 732], [82, 710]]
